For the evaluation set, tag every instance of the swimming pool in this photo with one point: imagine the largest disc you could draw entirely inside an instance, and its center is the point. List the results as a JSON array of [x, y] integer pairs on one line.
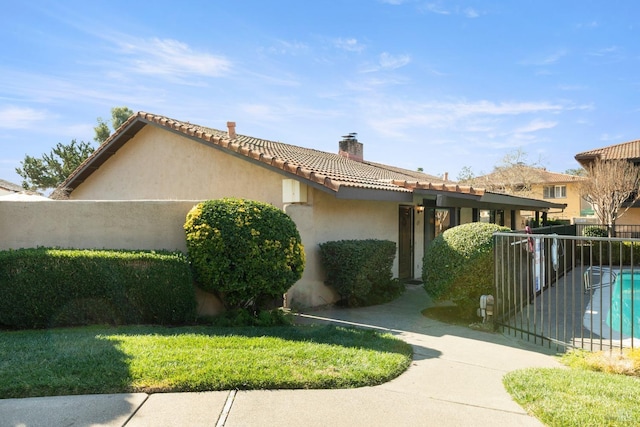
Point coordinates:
[[624, 311]]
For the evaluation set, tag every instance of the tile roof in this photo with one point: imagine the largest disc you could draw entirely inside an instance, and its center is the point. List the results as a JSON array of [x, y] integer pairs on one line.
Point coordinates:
[[626, 150], [6, 185], [331, 171], [533, 175]]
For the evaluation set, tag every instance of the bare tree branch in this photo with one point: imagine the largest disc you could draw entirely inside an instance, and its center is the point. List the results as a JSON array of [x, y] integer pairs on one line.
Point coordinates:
[[611, 183]]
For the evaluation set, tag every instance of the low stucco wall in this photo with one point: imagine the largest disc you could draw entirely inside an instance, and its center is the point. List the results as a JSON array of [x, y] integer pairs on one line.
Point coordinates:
[[158, 224], [82, 224]]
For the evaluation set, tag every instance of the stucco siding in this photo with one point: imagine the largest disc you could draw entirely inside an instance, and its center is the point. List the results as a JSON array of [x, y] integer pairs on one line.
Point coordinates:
[[151, 225], [157, 164], [326, 219]]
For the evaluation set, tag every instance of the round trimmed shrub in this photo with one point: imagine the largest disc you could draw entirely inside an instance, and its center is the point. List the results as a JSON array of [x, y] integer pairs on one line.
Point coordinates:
[[246, 252], [458, 265]]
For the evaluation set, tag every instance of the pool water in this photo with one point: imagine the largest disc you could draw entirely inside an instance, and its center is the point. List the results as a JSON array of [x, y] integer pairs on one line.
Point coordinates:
[[625, 304]]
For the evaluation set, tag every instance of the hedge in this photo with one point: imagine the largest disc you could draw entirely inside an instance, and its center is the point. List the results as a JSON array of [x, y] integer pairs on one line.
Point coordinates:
[[361, 270], [46, 287], [458, 265]]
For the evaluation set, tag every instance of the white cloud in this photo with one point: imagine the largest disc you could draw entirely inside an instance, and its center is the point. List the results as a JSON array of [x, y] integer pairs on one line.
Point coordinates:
[[351, 45], [536, 125], [547, 59], [436, 8], [391, 62], [21, 118], [493, 119], [470, 12], [284, 47], [171, 58]]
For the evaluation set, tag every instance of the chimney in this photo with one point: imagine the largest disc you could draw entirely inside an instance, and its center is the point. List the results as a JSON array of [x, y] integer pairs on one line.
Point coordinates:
[[231, 129], [445, 177], [350, 147]]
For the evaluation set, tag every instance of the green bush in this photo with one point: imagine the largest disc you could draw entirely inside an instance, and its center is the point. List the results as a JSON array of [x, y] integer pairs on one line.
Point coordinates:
[[616, 253], [360, 270], [458, 265], [595, 231], [54, 287], [246, 252]]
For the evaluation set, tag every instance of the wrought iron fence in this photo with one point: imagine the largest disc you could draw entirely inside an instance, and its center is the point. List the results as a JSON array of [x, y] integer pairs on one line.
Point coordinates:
[[568, 291]]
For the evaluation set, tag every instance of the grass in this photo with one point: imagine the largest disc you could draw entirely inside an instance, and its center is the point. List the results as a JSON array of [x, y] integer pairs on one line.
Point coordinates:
[[157, 359], [597, 389]]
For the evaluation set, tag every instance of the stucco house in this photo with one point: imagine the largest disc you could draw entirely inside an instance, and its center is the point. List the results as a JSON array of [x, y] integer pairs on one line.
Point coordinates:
[[539, 183], [629, 151], [330, 196]]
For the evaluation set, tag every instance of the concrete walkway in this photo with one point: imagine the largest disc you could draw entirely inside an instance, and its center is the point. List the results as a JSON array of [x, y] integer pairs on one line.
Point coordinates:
[[455, 380]]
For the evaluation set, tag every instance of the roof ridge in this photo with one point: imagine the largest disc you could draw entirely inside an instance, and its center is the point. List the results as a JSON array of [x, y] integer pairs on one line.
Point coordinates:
[[329, 170]]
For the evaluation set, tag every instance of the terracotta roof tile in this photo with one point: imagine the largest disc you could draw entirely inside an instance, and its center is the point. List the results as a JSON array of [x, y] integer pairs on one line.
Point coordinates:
[[626, 150], [329, 170], [9, 186], [533, 175]]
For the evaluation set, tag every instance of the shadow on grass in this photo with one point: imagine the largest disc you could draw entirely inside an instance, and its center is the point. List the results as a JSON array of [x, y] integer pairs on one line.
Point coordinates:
[[60, 362]]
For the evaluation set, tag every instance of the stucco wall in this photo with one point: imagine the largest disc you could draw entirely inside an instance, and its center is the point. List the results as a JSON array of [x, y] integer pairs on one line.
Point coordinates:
[[573, 201], [326, 218], [94, 224], [157, 224], [161, 165]]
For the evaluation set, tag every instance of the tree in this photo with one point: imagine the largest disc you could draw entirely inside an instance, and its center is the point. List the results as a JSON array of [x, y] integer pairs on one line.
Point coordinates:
[[119, 115], [514, 175], [53, 168], [576, 172], [611, 183], [465, 175]]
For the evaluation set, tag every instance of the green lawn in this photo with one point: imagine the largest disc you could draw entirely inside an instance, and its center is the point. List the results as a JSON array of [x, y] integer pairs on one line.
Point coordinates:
[[158, 359], [597, 389]]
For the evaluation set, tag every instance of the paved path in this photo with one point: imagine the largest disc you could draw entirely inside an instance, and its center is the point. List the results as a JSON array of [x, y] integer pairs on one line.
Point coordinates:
[[455, 380]]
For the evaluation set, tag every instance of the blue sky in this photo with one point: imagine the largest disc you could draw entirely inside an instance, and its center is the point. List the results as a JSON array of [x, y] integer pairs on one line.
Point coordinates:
[[434, 84]]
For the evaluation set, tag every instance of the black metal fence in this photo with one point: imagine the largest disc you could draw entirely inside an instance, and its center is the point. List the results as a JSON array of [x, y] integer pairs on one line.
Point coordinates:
[[568, 291]]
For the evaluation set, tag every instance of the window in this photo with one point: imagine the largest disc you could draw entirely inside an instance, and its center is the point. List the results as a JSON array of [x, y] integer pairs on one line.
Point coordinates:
[[555, 192]]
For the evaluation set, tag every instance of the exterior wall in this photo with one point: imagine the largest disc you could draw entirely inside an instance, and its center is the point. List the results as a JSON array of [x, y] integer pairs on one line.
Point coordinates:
[[326, 218], [631, 217], [573, 200], [160, 165], [151, 225], [157, 224]]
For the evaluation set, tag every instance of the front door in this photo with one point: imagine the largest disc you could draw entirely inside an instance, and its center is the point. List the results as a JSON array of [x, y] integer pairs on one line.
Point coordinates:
[[405, 243]]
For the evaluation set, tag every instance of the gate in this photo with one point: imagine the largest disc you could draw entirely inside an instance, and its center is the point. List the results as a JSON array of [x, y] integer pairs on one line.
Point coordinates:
[[568, 291]]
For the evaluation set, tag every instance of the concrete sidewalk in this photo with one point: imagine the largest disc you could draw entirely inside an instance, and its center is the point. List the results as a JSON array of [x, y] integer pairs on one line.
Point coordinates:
[[455, 380]]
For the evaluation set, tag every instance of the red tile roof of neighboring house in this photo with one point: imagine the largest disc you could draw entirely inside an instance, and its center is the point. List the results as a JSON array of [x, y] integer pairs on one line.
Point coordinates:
[[9, 186], [534, 175], [626, 150], [330, 171]]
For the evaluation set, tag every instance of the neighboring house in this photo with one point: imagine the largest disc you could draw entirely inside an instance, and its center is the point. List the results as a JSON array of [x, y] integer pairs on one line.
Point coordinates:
[[7, 187], [539, 183], [329, 196], [625, 151], [10, 191]]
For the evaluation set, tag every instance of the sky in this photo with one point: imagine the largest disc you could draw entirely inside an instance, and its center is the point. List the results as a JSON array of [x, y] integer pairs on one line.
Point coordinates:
[[433, 84]]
